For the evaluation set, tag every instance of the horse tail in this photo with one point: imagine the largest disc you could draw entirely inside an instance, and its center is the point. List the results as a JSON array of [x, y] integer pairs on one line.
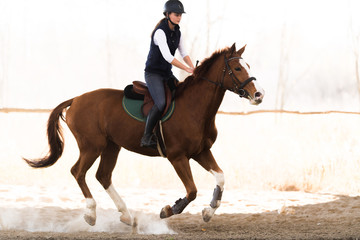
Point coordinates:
[[55, 138]]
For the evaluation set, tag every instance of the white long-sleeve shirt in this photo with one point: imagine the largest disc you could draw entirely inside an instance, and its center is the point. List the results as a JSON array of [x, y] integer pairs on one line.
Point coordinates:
[[160, 41]]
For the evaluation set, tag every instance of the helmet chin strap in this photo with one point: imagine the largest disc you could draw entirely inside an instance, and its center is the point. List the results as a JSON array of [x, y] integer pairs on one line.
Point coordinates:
[[168, 18]]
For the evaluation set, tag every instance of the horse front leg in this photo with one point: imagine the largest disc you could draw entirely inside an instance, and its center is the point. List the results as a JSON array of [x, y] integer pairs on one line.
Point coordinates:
[[182, 168], [207, 161], [208, 213]]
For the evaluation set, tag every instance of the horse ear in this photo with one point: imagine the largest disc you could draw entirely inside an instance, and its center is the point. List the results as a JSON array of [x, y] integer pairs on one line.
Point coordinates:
[[232, 49], [241, 51]]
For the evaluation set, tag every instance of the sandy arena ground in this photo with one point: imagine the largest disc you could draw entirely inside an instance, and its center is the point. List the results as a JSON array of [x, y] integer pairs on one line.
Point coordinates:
[[319, 198], [339, 219]]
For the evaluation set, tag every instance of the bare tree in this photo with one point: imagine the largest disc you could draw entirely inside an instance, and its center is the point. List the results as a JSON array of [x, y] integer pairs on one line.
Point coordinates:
[[355, 38], [3, 52], [108, 45], [202, 41], [283, 69]]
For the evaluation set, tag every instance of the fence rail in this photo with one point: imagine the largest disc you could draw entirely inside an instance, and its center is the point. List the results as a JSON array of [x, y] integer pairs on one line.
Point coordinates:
[[24, 110], [287, 112]]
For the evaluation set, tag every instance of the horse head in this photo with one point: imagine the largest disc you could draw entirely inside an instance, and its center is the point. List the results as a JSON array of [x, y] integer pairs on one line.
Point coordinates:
[[238, 78]]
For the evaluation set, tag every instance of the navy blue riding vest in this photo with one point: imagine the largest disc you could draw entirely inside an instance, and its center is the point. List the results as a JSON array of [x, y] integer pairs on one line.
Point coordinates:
[[155, 62]]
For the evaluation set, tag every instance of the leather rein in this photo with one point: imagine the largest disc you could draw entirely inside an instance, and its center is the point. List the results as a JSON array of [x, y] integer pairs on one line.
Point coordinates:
[[238, 87]]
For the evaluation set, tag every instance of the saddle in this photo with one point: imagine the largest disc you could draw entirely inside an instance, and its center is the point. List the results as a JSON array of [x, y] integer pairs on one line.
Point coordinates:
[[139, 91]]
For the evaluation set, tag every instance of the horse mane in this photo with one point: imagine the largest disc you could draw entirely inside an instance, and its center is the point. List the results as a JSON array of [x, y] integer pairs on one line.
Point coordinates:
[[199, 71]]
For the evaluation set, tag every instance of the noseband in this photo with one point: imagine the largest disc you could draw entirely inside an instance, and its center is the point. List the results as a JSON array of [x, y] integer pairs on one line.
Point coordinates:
[[238, 87]]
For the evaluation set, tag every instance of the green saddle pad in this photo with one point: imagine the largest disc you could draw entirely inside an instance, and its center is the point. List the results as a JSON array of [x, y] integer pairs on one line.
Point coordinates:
[[133, 108]]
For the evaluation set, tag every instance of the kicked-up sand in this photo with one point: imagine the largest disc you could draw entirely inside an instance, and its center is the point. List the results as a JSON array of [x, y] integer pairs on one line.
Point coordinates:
[[40, 213]]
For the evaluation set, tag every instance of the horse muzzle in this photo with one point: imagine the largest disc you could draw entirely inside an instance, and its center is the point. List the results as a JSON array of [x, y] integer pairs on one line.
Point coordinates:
[[257, 98]]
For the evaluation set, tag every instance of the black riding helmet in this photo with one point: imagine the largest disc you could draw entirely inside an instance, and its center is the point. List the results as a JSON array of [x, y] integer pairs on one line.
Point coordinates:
[[173, 6]]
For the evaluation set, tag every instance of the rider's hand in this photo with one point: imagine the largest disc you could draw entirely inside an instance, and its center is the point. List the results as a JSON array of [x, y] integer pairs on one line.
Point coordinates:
[[189, 70]]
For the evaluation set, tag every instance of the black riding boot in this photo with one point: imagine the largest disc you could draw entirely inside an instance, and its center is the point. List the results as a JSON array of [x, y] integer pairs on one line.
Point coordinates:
[[149, 139]]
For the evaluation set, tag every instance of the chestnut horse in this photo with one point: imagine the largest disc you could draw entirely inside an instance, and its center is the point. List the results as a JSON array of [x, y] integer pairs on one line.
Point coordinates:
[[101, 127]]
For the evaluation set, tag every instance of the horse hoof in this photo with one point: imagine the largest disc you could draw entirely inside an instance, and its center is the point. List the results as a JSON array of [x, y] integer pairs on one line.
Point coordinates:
[[166, 212], [90, 219], [126, 219], [207, 214]]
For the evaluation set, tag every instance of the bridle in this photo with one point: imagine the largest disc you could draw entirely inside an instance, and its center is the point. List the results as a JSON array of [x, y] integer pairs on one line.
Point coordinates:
[[238, 87]]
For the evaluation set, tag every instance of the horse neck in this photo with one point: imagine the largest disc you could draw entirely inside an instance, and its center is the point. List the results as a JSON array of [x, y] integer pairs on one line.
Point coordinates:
[[205, 97]]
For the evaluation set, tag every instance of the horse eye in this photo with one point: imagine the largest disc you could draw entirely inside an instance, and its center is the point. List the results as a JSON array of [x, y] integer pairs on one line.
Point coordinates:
[[238, 69]]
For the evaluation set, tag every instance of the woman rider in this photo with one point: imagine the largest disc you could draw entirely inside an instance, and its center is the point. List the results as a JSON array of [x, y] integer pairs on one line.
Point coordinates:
[[165, 39]]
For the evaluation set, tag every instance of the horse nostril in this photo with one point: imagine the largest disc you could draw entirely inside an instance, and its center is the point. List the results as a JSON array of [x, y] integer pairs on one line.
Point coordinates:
[[258, 94]]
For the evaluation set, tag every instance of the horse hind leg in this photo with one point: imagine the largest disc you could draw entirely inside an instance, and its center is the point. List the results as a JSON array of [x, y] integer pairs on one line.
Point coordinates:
[[103, 175], [86, 160]]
